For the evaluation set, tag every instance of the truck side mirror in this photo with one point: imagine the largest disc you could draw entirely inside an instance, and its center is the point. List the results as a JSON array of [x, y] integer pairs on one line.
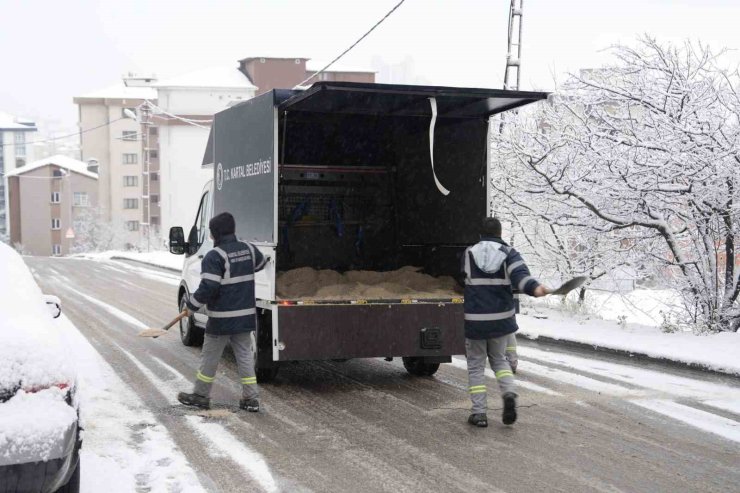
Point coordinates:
[[177, 241], [193, 244]]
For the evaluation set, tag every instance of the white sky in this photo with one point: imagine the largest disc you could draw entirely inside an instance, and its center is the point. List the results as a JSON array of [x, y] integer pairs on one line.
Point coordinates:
[[53, 50]]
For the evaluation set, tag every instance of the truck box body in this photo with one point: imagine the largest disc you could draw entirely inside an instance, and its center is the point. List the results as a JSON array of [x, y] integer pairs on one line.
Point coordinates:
[[340, 177]]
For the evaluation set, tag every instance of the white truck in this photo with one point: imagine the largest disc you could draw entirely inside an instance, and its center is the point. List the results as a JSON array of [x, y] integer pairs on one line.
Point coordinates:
[[350, 176]]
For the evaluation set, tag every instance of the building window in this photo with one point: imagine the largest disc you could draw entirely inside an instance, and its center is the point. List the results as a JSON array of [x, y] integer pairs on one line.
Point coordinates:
[[153, 131], [20, 150], [154, 199], [20, 162], [130, 158], [56, 223], [81, 199], [153, 154], [130, 181], [130, 203], [132, 225], [154, 176], [20, 138], [154, 221], [130, 135], [123, 112], [55, 198], [56, 249]]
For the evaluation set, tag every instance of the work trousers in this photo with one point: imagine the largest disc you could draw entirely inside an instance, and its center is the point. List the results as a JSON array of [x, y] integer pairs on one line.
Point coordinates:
[[511, 353], [210, 356], [477, 352]]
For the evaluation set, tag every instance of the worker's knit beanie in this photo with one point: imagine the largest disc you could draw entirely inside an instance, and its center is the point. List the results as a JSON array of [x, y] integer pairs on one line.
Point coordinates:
[[491, 227], [222, 225]]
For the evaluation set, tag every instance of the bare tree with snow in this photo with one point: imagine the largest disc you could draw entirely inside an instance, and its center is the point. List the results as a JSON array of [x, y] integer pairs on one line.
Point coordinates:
[[643, 153]]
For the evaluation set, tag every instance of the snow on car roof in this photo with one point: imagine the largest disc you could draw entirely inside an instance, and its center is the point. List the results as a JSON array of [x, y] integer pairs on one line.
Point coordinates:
[[31, 349]]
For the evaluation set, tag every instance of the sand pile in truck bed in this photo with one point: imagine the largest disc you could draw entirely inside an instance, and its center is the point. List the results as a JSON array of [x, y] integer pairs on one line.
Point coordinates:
[[306, 283]]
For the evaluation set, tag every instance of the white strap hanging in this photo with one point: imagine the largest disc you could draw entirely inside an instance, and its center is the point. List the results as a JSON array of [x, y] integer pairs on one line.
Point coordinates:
[[433, 102]]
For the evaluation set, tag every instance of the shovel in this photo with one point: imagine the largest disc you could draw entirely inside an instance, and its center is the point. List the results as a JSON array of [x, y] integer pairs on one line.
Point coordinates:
[[154, 333], [569, 286]]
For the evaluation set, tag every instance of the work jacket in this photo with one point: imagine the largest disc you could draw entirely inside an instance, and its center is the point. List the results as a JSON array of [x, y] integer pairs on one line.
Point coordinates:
[[226, 287], [491, 268]]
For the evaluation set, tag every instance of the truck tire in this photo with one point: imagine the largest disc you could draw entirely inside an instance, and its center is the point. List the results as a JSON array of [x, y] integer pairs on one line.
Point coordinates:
[[266, 374], [417, 367], [190, 334]]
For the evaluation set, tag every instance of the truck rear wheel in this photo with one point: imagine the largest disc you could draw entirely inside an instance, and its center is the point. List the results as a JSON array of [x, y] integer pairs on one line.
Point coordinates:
[[190, 334], [418, 367], [266, 374]]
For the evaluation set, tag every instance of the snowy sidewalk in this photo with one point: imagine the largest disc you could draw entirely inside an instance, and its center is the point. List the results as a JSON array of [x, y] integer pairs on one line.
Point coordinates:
[[718, 352]]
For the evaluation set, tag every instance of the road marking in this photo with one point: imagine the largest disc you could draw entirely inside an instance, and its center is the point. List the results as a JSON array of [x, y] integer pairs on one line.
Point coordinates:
[[697, 418], [231, 447], [110, 309], [721, 396], [227, 445], [580, 380]]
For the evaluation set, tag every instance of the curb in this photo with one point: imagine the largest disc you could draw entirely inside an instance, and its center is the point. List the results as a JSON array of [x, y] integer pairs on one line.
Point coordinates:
[[150, 264], [631, 354]]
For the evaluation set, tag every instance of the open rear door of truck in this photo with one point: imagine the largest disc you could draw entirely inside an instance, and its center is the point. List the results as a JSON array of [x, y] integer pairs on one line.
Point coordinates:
[[404, 100]]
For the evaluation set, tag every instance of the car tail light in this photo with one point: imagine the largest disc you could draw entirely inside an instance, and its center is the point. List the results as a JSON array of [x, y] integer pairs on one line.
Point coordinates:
[[33, 390]]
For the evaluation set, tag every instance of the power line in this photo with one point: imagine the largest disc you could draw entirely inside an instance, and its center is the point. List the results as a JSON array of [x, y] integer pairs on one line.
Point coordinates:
[[13, 144], [355, 43]]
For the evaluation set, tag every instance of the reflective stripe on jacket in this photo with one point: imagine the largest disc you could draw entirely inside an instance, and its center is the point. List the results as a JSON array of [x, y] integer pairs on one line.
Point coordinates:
[[489, 299], [226, 287]]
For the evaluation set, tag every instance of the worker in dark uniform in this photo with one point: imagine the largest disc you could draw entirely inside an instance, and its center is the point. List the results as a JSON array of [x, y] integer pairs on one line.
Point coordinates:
[[227, 292], [491, 268]]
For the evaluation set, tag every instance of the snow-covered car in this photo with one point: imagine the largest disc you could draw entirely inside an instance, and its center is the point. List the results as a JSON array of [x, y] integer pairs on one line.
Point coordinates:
[[39, 415]]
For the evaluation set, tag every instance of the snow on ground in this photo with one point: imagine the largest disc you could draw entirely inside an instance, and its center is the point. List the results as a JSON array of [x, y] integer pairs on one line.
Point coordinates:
[[125, 448], [160, 258], [638, 332]]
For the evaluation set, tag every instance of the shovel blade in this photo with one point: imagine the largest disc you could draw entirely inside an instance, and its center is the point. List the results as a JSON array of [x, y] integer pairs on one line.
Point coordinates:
[[154, 333]]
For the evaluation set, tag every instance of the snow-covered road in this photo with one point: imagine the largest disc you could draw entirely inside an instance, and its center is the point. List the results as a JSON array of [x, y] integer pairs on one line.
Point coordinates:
[[588, 422]]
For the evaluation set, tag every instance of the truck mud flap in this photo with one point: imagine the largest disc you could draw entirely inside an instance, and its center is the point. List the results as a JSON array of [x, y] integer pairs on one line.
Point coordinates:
[[317, 332]]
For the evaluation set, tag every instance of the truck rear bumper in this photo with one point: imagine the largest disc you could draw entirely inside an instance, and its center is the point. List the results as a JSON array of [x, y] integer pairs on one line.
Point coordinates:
[[318, 332]]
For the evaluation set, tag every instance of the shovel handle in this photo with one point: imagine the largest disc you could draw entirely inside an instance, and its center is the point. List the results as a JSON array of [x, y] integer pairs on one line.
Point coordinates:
[[182, 315]]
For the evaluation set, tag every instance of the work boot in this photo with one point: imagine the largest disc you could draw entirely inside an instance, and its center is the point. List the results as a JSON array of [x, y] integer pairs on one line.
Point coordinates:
[[250, 405], [479, 420], [194, 400], [509, 415]]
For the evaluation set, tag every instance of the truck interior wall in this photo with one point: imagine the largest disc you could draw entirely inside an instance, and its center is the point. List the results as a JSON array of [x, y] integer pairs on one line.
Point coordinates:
[[405, 219]]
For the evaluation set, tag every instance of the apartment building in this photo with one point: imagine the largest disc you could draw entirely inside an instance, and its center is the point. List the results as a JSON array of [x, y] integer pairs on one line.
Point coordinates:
[[169, 136], [15, 152], [112, 138], [185, 106], [45, 199], [285, 73]]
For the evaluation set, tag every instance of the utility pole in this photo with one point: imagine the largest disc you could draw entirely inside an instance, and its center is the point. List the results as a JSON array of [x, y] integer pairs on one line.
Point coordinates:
[[147, 185], [514, 52]]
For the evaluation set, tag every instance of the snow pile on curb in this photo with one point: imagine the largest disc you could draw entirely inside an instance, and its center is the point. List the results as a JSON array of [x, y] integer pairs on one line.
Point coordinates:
[[160, 258], [719, 352], [33, 359]]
